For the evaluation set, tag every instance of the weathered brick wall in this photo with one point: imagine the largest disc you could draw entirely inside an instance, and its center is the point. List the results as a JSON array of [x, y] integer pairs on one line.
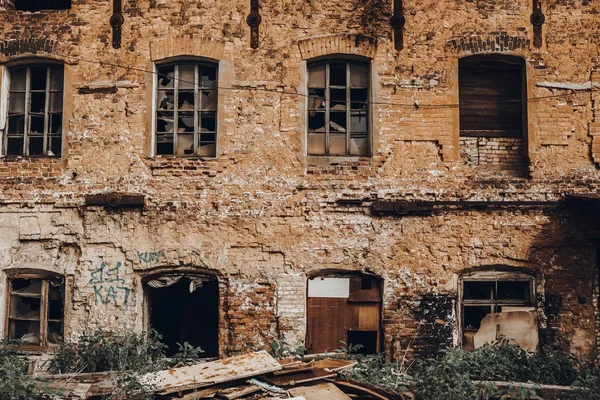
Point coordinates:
[[262, 216], [496, 154]]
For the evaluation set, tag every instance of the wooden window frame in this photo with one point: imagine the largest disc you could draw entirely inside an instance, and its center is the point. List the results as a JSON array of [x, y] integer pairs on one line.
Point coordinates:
[[49, 115], [202, 144], [494, 303], [350, 112], [44, 309]]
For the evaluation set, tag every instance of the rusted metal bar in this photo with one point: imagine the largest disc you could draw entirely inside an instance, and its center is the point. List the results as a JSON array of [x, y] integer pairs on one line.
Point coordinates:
[[253, 20], [114, 200], [537, 19], [397, 22], [116, 22]]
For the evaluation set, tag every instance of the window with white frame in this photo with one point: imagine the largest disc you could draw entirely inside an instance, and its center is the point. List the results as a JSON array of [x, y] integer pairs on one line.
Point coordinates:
[[186, 109], [338, 108], [35, 309], [32, 125]]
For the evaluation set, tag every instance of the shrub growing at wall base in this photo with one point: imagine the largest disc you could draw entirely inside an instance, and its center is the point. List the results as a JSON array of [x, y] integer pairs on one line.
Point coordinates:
[[14, 381]]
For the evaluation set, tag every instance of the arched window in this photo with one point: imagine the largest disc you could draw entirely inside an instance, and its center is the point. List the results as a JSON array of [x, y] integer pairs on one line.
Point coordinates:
[[186, 109], [344, 308], [338, 108], [32, 125], [35, 309]]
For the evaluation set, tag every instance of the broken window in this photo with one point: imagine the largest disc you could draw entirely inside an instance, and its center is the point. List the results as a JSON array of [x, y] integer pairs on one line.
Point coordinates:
[[37, 5], [33, 126], [508, 297], [344, 309], [186, 109], [493, 110], [35, 310], [338, 109], [185, 308]]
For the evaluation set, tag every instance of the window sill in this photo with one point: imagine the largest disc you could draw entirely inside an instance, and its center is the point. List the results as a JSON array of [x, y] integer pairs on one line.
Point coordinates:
[[325, 161], [31, 349]]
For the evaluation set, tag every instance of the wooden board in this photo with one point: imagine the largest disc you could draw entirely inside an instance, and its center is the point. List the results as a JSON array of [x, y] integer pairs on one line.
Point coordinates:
[[323, 391], [326, 324], [301, 377], [335, 365], [206, 374]]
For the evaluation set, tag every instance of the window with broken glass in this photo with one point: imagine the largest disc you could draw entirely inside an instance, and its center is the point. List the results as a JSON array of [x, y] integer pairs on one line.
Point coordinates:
[[186, 109], [482, 297], [35, 310], [35, 109], [338, 111]]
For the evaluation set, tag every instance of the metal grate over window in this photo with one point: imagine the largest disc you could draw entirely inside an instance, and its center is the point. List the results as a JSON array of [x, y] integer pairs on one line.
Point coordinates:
[[186, 109], [35, 107], [338, 112]]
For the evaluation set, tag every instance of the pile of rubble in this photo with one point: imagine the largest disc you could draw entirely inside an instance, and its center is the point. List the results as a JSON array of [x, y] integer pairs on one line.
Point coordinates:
[[253, 376]]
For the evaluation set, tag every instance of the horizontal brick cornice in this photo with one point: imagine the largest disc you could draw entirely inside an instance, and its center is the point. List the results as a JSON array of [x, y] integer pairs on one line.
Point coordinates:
[[487, 43], [339, 44], [187, 45]]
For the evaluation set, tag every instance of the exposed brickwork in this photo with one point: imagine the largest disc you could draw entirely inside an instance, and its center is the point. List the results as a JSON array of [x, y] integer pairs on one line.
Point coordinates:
[[495, 154], [262, 216]]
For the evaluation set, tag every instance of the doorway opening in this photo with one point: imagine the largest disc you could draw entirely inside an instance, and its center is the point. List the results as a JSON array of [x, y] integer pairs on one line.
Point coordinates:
[[185, 309]]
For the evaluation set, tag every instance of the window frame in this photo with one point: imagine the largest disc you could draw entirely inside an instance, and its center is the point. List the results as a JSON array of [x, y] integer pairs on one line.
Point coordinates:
[[44, 318], [49, 115], [196, 133], [494, 302], [366, 111]]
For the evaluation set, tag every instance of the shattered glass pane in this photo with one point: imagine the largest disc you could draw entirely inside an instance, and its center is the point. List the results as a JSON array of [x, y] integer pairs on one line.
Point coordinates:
[[511, 290], [25, 331], [36, 124], [27, 308], [358, 122], [208, 100], [166, 76], [359, 146], [185, 144], [55, 146], [359, 98], [209, 77], [26, 286], [186, 101], [55, 332]]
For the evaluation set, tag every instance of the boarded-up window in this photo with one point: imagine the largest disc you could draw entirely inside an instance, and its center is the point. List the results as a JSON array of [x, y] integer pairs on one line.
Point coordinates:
[[485, 294], [343, 309], [491, 95], [35, 310]]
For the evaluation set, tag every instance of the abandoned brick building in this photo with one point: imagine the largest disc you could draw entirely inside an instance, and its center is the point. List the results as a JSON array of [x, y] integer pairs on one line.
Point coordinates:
[[396, 174]]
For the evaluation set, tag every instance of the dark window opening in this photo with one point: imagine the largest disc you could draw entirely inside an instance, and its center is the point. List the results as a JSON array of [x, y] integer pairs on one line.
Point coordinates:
[[187, 311], [344, 309], [480, 298], [35, 310], [366, 339], [37, 5]]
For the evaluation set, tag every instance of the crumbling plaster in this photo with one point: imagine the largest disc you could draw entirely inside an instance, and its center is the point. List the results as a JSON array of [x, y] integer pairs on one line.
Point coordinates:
[[262, 215]]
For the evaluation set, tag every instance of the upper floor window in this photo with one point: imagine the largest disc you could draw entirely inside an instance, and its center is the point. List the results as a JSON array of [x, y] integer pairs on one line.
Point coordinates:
[[37, 5], [35, 309], [35, 109], [338, 108], [186, 109]]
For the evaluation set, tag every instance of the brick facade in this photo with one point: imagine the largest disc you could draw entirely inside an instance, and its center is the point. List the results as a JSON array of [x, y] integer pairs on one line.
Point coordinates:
[[263, 216]]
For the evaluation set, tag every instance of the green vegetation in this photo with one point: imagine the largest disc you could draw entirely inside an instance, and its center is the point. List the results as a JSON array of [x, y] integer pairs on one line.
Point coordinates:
[[14, 381]]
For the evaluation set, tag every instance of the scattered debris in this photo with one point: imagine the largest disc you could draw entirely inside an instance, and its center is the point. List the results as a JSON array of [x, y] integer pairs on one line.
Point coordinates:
[[252, 376]]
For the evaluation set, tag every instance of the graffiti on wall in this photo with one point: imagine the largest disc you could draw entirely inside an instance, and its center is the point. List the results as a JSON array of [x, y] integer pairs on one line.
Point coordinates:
[[109, 286], [149, 258]]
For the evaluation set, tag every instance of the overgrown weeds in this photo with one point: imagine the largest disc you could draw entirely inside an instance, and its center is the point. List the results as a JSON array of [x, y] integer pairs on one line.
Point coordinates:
[[14, 381]]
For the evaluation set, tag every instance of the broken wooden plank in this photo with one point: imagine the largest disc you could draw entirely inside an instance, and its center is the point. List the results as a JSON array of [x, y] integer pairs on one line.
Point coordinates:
[[335, 365], [290, 369], [301, 377], [206, 374], [322, 391], [378, 392], [236, 392], [71, 390]]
